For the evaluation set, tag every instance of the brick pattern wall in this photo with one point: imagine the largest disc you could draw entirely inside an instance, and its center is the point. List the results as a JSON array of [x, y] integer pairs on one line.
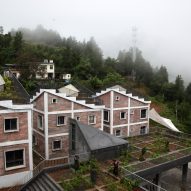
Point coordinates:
[[116, 117], [40, 147], [136, 117], [84, 117], [122, 102], [22, 132], [39, 103], [2, 159], [52, 124], [135, 129], [135, 103], [64, 150], [124, 131], [105, 99], [78, 106], [61, 105]]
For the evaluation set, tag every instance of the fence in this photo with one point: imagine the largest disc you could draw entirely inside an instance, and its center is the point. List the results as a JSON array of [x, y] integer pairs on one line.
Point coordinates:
[[39, 168]]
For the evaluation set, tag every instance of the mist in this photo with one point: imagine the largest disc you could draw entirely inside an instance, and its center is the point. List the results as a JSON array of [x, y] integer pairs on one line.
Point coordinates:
[[163, 26]]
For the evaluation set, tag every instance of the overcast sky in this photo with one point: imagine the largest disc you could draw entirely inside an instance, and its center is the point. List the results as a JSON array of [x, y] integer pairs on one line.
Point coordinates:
[[163, 35]]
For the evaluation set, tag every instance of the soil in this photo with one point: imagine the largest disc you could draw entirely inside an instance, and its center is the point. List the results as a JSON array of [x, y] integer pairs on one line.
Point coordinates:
[[60, 174], [104, 178]]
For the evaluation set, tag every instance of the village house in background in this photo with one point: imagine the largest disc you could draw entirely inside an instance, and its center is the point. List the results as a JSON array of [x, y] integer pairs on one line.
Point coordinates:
[[46, 70], [50, 121], [124, 115], [16, 159], [69, 90]]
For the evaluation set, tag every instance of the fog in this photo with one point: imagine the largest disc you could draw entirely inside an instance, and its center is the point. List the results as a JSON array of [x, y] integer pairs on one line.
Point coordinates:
[[163, 26]]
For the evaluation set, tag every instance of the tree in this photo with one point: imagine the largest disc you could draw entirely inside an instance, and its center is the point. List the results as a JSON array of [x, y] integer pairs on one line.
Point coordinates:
[[188, 93], [17, 43], [179, 85]]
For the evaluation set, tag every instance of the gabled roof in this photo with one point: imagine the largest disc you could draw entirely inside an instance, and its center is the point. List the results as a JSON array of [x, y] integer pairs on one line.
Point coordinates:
[[63, 95], [97, 139], [118, 89], [69, 87], [2, 82]]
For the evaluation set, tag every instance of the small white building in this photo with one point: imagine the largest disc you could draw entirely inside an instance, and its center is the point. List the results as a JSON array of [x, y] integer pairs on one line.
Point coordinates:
[[66, 76], [2, 83], [46, 70], [69, 90]]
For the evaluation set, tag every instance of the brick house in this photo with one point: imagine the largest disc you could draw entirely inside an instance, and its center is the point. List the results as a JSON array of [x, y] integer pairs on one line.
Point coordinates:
[[51, 112], [124, 114], [15, 143]]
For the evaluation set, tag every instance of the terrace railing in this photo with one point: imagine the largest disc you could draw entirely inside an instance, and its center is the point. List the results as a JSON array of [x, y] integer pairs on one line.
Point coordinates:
[[39, 168], [144, 184]]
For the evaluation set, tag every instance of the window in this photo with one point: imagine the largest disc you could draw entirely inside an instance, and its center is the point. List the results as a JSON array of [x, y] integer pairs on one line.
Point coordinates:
[[106, 116], [78, 118], [122, 115], [73, 137], [34, 140], [56, 145], [118, 133], [143, 113], [91, 119], [51, 67], [10, 125], [117, 98], [54, 100], [14, 159], [60, 120], [143, 130], [40, 121]]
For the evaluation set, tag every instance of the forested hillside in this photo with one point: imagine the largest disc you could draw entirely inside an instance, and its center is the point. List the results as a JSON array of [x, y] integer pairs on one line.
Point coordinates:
[[85, 61]]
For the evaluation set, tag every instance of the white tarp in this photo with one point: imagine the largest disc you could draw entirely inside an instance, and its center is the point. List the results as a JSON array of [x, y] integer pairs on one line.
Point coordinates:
[[163, 121]]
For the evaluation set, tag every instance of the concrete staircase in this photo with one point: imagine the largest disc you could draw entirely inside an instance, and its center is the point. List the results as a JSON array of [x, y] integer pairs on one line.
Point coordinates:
[[42, 182]]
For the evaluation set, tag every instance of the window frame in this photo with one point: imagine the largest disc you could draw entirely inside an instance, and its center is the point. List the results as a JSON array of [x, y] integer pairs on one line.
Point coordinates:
[[51, 67], [77, 118], [38, 123], [15, 167], [125, 115], [57, 149], [119, 133], [58, 125], [141, 114], [56, 101], [89, 120], [17, 123], [106, 120], [141, 130], [117, 98]]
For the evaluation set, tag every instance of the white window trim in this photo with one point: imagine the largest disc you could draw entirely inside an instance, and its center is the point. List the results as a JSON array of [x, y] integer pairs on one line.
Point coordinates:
[[116, 133], [146, 114], [145, 128], [89, 120], [35, 143], [108, 116], [125, 115], [16, 167], [55, 101], [10, 131], [77, 118], [41, 128], [117, 98], [57, 148], [64, 120]]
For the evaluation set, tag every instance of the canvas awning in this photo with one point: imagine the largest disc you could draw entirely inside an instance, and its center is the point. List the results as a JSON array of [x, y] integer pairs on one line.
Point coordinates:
[[161, 120]]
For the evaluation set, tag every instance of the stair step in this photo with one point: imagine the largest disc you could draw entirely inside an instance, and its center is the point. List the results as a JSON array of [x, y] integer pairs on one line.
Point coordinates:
[[49, 183], [44, 184], [40, 186], [35, 186]]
